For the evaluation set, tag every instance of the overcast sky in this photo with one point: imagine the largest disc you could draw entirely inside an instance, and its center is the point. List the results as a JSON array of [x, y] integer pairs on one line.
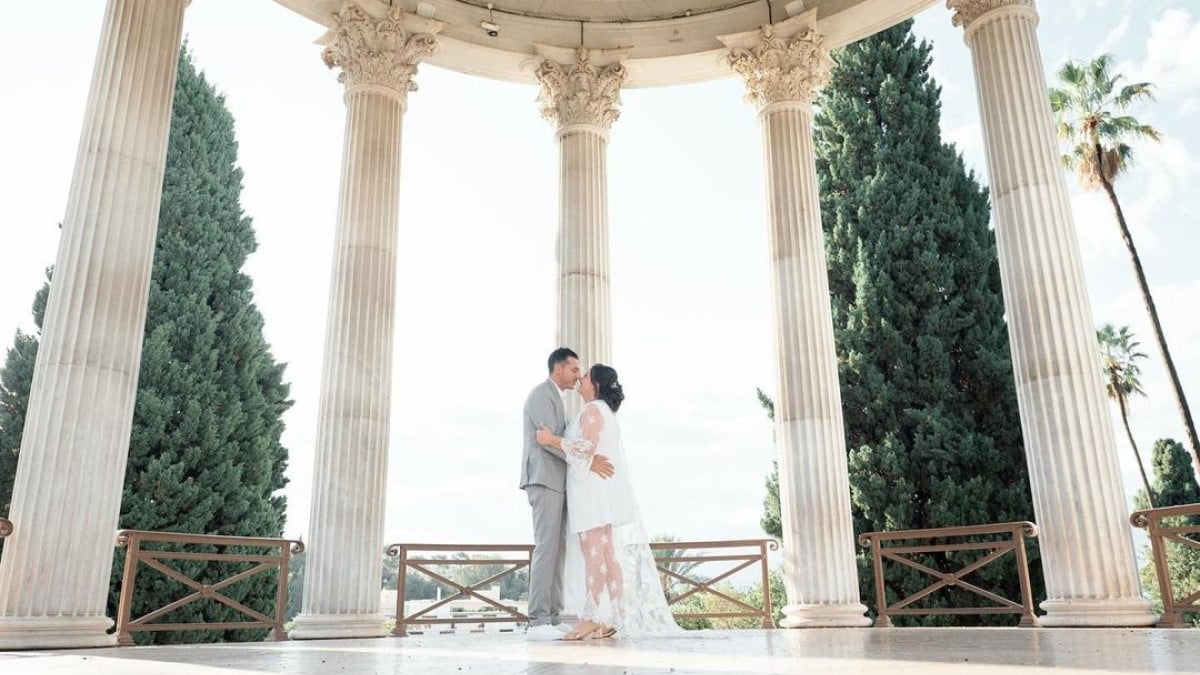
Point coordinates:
[[690, 286]]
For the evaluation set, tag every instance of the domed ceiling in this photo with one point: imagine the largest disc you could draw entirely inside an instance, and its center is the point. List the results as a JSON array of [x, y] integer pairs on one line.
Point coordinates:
[[664, 41]]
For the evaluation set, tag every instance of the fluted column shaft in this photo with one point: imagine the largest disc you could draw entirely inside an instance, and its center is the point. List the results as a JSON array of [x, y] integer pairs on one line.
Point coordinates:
[[584, 318], [1086, 548], [580, 97], [54, 576], [342, 577], [783, 68]]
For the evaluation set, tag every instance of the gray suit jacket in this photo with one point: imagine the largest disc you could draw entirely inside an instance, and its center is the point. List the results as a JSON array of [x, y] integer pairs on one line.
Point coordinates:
[[541, 465]]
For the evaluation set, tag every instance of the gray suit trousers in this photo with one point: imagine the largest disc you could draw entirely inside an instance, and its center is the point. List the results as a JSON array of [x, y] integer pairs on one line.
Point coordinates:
[[549, 553]]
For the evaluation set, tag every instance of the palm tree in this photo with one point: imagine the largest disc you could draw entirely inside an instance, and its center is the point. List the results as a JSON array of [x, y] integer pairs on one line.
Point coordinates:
[[1089, 113], [1119, 355]]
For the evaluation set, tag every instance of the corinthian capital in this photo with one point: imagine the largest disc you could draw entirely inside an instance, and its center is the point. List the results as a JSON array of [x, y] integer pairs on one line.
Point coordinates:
[[966, 11], [377, 52], [780, 69], [580, 92]]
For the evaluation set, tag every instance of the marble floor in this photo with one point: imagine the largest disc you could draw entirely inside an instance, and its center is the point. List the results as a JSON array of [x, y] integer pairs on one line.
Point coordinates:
[[863, 650]]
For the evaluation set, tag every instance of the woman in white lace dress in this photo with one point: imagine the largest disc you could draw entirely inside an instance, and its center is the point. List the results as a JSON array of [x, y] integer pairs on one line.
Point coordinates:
[[622, 590]]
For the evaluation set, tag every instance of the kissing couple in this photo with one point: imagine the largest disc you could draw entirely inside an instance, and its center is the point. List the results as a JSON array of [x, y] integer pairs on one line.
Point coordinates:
[[591, 555]]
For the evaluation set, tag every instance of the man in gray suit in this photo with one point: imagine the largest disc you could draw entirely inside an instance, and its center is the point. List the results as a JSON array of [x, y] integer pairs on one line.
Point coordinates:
[[544, 480]]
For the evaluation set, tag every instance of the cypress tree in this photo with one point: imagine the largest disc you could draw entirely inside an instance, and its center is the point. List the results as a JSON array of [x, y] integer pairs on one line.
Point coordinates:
[[15, 382], [1174, 479], [204, 455], [933, 432]]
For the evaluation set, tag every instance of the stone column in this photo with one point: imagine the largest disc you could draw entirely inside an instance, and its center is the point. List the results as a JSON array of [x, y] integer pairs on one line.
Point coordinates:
[[1085, 543], [783, 66], [378, 58], [580, 91], [54, 576]]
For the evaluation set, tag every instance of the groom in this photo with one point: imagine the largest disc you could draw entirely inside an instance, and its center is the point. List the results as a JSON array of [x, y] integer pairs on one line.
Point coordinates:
[[544, 480]]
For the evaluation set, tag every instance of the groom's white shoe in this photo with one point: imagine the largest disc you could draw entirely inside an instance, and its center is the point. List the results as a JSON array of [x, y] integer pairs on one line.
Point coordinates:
[[563, 627], [544, 632]]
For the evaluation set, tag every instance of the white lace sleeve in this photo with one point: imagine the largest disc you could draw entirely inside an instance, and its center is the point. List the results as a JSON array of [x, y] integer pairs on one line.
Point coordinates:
[[579, 450]]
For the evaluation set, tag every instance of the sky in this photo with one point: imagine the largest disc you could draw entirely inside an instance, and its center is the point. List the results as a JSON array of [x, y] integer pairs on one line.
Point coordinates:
[[691, 296]]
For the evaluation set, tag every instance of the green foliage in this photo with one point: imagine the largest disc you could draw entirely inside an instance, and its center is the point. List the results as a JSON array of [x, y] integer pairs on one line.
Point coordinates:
[[1174, 485], [772, 519], [204, 454], [15, 381], [771, 522], [700, 603], [1119, 358], [1089, 114], [933, 433]]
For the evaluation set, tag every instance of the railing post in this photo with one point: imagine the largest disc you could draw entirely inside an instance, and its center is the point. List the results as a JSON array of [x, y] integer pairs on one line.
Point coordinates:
[[1028, 619], [881, 620], [1170, 618], [132, 543], [768, 620], [278, 634], [529, 568], [401, 629]]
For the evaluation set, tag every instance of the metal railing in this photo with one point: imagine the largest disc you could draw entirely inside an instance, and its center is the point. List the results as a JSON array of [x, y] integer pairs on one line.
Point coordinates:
[[6, 527], [422, 564], [1012, 541], [1186, 521], [415, 557], [668, 566], [279, 552]]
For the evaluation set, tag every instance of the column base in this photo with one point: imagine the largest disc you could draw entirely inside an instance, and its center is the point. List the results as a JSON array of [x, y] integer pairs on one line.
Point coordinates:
[[55, 632], [1113, 612], [850, 615], [330, 626]]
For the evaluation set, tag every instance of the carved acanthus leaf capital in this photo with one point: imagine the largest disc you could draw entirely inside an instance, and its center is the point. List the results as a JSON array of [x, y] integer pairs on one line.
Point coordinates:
[[782, 70], [966, 11], [376, 52], [581, 92]]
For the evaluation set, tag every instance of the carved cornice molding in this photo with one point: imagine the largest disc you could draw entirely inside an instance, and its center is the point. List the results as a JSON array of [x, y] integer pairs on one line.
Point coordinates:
[[580, 92], [967, 11], [376, 52], [782, 69]]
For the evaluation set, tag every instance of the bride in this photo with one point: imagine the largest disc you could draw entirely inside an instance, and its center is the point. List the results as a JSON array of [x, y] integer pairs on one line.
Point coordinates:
[[611, 565]]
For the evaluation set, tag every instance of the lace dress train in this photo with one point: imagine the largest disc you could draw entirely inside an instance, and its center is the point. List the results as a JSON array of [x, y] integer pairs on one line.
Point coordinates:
[[611, 576]]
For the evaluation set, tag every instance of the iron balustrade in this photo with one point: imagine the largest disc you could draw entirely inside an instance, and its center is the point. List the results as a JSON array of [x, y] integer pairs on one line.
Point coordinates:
[[277, 556], [1183, 529], [421, 564], [752, 552], [1012, 540], [415, 557]]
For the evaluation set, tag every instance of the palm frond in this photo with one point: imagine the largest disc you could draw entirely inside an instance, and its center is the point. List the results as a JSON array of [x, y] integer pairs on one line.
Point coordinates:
[[1119, 358], [1085, 105], [1133, 93], [1059, 101], [1147, 131]]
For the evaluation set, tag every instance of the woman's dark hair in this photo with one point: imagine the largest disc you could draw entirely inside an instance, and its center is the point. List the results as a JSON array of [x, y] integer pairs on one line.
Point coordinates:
[[604, 379]]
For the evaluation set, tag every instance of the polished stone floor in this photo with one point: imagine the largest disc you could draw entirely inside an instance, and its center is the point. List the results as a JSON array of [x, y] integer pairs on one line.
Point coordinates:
[[863, 650]]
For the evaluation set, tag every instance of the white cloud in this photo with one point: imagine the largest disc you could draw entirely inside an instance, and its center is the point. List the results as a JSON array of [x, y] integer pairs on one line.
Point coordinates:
[[1115, 36], [1172, 55]]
